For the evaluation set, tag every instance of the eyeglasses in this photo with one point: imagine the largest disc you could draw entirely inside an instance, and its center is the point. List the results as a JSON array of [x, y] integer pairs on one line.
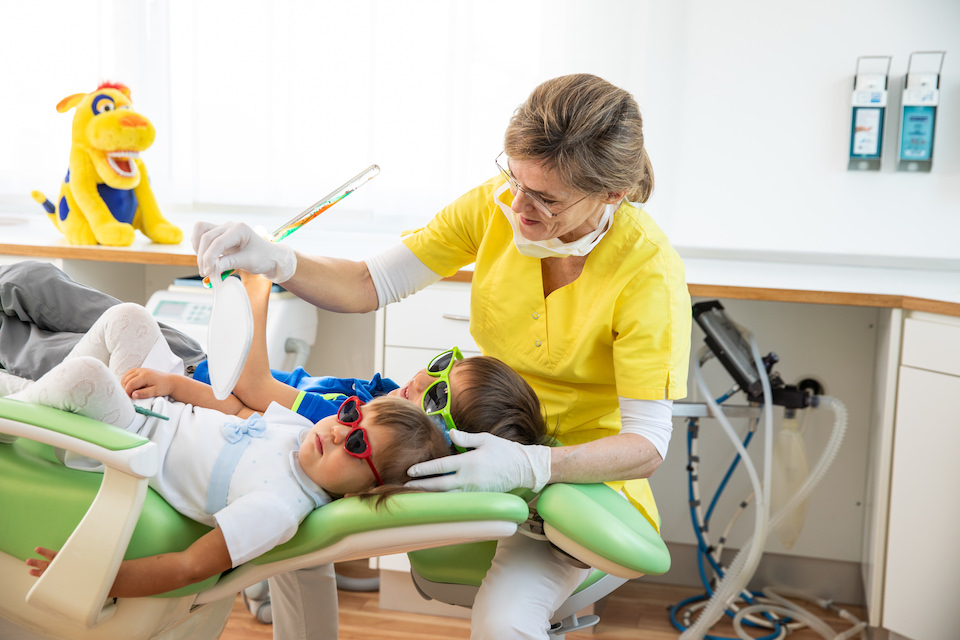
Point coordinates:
[[357, 444], [515, 186], [437, 397]]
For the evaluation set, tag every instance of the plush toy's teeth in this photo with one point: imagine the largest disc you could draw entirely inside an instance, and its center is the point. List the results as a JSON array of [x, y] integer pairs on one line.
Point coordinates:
[[123, 156]]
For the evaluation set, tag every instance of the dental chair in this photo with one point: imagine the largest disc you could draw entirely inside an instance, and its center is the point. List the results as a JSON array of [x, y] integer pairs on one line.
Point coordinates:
[[590, 524], [96, 520]]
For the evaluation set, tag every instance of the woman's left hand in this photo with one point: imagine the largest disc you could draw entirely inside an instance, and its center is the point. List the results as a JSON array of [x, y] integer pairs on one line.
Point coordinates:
[[493, 464]]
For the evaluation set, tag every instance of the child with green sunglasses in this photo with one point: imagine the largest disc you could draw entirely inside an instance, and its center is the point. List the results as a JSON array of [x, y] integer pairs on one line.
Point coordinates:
[[475, 394], [49, 319]]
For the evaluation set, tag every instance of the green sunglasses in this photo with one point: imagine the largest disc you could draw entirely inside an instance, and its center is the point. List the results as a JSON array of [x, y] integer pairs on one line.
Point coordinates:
[[437, 398]]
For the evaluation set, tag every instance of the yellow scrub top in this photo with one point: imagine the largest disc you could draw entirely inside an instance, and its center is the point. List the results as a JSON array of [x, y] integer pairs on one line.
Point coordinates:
[[621, 328]]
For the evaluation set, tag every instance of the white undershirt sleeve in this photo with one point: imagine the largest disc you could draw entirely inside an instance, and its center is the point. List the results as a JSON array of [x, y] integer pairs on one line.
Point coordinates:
[[652, 419], [397, 273]]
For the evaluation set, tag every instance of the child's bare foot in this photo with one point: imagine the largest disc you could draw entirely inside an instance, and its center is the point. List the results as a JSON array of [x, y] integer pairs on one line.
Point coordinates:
[[257, 286]]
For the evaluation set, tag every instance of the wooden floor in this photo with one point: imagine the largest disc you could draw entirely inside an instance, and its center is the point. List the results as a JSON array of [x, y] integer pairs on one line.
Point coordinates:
[[636, 611]]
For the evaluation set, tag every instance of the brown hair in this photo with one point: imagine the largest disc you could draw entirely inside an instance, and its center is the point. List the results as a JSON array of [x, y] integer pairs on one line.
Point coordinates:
[[589, 131], [491, 396], [414, 438]]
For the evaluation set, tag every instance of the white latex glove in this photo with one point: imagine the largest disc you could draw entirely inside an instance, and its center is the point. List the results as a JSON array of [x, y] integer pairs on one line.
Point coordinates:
[[494, 464], [239, 247]]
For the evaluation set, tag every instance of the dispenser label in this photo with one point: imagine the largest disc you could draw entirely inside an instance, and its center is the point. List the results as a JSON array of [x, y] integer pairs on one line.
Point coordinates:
[[867, 127], [916, 141]]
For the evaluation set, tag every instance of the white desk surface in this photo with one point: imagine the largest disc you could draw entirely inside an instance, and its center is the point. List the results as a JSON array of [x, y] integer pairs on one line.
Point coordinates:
[[810, 278]]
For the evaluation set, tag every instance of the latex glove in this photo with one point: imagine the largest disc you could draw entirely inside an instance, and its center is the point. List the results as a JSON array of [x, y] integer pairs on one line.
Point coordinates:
[[239, 247], [493, 464]]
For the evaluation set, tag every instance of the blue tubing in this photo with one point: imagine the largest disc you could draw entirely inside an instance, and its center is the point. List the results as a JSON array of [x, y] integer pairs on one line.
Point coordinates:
[[703, 548], [674, 620], [723, 483]]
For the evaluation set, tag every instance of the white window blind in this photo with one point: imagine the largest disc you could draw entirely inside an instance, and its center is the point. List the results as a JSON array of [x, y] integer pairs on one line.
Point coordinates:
[[272, 103]]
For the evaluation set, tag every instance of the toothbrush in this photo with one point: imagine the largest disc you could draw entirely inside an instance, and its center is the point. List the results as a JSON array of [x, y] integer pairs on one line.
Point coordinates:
[[315, 210]]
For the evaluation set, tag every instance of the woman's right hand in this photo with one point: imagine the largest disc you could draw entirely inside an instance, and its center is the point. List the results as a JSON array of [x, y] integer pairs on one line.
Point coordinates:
[[236, 246], [492, 464]]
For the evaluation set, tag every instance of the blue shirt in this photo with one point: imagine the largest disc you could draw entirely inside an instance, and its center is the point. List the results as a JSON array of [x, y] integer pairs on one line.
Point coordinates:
[[323, 395]]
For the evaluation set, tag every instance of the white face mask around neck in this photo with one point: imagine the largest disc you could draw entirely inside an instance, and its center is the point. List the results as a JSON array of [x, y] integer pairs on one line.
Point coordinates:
[[554, 247]]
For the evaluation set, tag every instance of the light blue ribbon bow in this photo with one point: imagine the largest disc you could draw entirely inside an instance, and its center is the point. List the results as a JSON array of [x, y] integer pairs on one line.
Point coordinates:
[[254, 427], [238, 435]]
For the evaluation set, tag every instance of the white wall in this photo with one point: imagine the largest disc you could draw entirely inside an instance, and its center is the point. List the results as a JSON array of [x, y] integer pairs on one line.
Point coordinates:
[[747, 105]]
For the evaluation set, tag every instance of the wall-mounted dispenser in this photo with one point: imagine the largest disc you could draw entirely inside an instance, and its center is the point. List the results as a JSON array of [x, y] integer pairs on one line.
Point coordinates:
[[918, 111], [869, 105]]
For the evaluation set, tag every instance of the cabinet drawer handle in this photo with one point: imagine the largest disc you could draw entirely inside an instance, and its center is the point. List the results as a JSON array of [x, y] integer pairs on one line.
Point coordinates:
[[456, 316]]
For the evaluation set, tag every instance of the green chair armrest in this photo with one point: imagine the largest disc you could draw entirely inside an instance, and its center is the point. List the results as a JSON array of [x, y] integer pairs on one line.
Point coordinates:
[[69, 424], [114, 447], [595, 524]]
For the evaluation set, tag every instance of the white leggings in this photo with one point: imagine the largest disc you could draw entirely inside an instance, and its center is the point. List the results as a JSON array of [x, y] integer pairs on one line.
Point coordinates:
[[525, 585], [88, 380]]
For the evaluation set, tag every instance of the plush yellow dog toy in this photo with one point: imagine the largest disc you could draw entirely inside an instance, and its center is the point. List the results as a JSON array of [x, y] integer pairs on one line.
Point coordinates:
[[106, 194]]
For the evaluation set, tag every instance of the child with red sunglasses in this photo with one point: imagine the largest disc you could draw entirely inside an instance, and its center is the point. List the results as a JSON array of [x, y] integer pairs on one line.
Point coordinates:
[[252, 480]]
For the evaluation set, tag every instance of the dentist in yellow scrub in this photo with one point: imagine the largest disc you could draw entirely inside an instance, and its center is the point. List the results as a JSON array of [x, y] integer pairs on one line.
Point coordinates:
[[574, 286]]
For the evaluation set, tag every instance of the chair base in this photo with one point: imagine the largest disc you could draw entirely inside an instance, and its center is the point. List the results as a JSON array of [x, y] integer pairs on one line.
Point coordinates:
[[565, 619], [133, 618]]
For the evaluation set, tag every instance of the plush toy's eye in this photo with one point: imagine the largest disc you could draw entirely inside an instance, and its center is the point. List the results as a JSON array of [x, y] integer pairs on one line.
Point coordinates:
[[125, 107], [102, 104]]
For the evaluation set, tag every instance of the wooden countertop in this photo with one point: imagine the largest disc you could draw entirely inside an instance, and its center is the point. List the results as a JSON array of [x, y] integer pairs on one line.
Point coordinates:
[[915, 289], [784, 279]]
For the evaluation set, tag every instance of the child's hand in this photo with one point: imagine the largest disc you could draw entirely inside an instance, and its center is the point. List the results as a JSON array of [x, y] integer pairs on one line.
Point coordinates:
[[147, 383], [39, 566]]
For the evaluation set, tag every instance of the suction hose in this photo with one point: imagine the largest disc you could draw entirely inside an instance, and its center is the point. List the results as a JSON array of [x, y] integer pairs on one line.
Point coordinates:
[[746, 561]]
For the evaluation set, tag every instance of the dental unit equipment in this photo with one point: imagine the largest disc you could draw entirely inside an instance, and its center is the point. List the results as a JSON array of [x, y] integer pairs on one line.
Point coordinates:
[[726, 592]]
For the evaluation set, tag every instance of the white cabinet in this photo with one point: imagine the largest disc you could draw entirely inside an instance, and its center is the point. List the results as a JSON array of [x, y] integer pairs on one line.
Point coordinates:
[[424, 324], [922, 574]]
